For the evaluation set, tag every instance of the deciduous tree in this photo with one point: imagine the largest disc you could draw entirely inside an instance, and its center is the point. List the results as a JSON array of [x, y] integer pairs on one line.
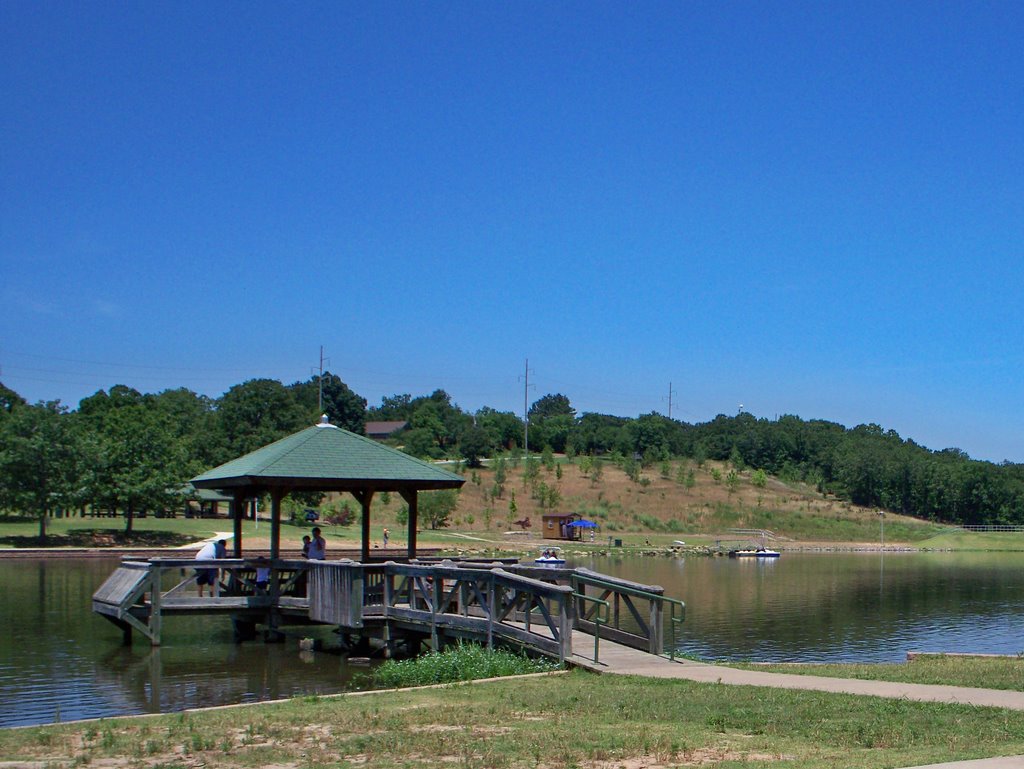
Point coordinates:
[[39, 457]]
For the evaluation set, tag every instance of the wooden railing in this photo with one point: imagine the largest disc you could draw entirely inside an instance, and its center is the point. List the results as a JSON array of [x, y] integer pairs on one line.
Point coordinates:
[[484, 603], [136, 595], [637, 614], [533, 606], [643, 604]]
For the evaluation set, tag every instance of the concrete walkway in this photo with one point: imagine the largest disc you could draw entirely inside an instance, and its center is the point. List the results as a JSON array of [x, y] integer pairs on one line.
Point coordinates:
[[618, 659], [614, 658], [1003, 762]]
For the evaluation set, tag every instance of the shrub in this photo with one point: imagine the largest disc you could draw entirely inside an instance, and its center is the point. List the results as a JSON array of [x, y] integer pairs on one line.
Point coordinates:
[[342, 517], [462, 662]]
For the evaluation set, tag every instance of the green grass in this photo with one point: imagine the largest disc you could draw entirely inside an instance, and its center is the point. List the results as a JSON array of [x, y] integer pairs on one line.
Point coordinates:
[[22, 531], [956, 539], [985, 672], [577, 720], [462, 662]]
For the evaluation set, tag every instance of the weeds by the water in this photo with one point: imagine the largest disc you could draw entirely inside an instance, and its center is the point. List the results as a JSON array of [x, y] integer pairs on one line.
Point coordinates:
[[462, 662]]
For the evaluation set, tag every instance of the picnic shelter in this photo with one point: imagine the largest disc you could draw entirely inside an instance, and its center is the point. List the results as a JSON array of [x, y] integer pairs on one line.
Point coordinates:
[[325, 458]]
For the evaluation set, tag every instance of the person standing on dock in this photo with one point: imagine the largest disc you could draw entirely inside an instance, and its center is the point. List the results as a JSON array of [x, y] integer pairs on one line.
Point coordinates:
[[209, 552], [318, 547]]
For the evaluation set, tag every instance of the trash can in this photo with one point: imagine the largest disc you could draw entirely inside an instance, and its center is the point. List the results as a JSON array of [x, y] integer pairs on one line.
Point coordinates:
[[618, 543]]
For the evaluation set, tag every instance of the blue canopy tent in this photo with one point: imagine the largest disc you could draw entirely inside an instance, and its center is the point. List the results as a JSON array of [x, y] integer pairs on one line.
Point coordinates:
[[581, 524]]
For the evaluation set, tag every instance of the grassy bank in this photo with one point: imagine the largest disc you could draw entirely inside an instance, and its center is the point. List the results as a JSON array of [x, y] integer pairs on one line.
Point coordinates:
[[577, 720]]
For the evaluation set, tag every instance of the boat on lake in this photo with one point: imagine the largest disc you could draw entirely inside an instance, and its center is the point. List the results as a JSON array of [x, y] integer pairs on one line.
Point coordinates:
[[755, 548], [755, 552], [550, 556]]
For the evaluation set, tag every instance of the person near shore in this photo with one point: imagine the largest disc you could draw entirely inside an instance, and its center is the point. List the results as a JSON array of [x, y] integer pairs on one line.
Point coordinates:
[[306, 541], [387, 536], [318, 546], [209, 552]]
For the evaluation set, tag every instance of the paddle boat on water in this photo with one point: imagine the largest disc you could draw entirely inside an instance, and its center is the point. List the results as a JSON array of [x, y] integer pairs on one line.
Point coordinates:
[[755, 548], [756, 552], [550, 556]]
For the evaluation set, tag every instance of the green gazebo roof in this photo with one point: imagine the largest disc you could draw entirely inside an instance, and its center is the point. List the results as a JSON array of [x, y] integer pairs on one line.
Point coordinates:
[[327, 458]]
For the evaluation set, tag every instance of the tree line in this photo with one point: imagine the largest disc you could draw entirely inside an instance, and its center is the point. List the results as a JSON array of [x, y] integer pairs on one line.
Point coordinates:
[[126, 451]]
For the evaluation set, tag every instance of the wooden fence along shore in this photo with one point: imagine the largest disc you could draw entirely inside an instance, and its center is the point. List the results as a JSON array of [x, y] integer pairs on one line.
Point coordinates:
[[548, 610]]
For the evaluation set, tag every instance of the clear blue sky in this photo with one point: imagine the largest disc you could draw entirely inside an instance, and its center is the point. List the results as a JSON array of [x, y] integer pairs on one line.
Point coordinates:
[[807, 208]]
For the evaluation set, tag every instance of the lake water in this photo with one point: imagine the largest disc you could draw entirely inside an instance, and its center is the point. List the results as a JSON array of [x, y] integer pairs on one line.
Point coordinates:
[[59, 661], [840, 607]]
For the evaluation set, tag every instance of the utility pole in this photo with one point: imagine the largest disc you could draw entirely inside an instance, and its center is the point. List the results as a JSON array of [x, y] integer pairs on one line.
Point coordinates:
[[526, 414], [320, 381], [671, 392]]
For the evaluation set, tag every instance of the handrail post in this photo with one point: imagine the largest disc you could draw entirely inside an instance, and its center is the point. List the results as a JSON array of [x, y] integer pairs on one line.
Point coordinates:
[[437, 588], [675, 621], [492, 608], [657, 638], [155, 618], [389, 591], [564, 628]]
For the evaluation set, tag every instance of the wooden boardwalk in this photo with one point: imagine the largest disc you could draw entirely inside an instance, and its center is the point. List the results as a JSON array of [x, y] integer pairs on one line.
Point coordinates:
[[548, 610]]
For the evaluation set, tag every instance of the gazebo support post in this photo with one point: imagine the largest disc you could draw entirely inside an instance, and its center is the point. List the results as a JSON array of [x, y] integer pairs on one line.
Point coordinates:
[[238, 506], [364, 498], [412, 500], [275, 522]]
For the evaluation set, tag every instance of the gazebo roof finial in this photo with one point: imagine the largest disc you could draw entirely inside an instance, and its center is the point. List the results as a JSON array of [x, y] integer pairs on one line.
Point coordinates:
[[324, 423]]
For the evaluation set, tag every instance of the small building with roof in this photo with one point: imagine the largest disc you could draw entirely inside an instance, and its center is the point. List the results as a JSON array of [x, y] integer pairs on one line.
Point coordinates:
[[203, 503], [381, 431], [556, 526]]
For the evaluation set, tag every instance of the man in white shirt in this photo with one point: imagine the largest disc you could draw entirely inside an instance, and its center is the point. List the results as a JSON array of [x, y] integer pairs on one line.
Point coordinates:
[[318, 547]]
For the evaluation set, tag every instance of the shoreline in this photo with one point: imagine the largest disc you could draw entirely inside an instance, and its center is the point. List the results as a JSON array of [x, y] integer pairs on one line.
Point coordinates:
[[178, 552]]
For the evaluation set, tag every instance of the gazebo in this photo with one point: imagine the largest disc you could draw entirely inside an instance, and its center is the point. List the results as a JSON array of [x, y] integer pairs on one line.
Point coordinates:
[[324, 458]]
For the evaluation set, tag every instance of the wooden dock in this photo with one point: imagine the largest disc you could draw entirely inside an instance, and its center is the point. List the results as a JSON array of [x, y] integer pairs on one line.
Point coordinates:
[[577, 616]]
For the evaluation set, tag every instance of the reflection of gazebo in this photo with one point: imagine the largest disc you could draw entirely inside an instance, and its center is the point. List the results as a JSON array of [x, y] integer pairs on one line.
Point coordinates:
[[324, 458]]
